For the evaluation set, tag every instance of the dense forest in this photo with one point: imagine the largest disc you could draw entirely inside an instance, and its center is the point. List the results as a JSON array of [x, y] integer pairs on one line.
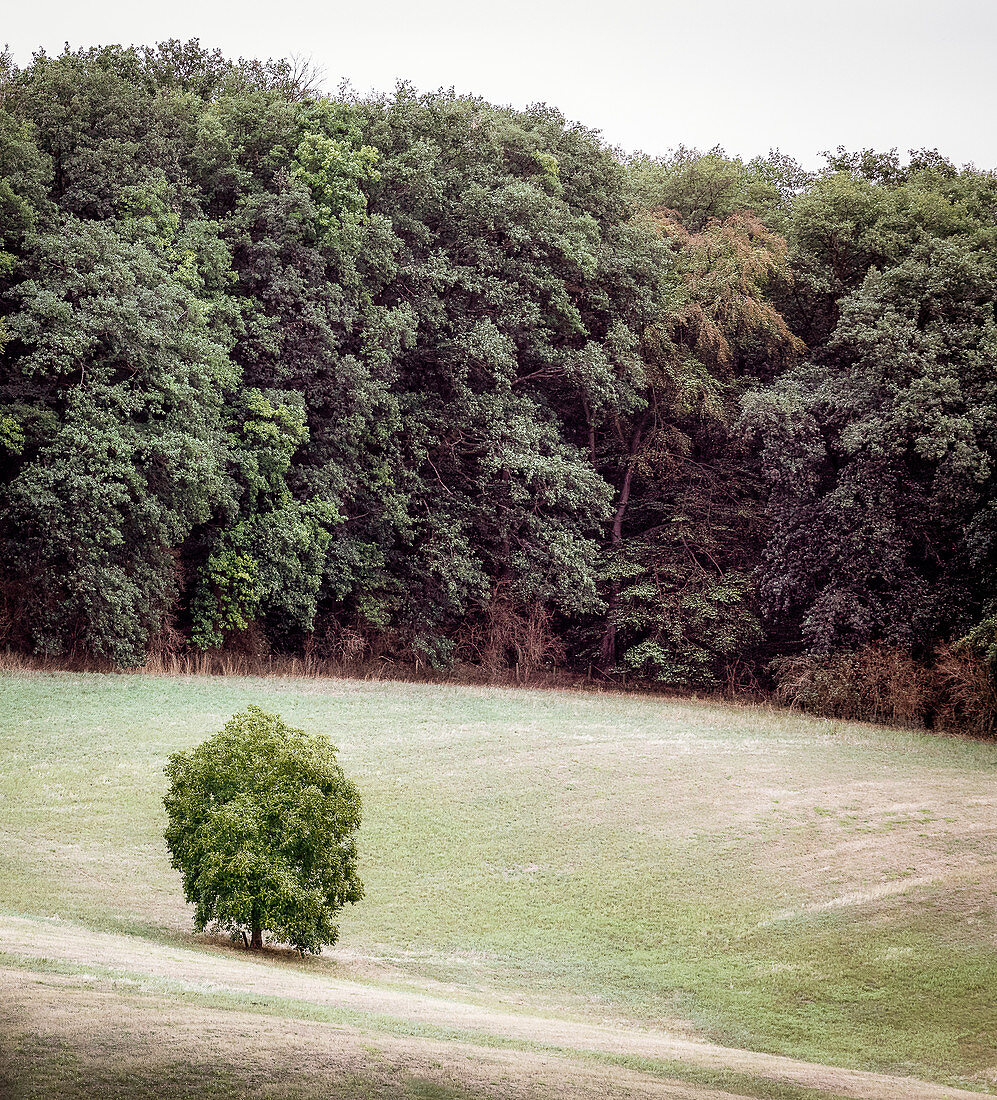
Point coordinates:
[[418, 378]]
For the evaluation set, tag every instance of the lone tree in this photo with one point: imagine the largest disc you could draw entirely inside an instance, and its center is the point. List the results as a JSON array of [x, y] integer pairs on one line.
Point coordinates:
[[262, 826]]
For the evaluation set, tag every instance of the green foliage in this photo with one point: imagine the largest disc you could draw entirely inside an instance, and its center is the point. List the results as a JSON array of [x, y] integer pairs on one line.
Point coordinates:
[[420, 376], [878, 467], [11, 434], [269, 558], [689, 629], [262, 825], [700, 188], [226, 597], [23, 171], [122, 457], [334, 174]]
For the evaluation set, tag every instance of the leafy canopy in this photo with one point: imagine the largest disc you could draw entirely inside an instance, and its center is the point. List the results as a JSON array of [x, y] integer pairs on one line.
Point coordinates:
[[262, 825]]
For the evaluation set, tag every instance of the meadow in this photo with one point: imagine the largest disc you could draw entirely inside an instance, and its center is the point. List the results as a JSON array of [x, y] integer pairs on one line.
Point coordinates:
[[567, 894]]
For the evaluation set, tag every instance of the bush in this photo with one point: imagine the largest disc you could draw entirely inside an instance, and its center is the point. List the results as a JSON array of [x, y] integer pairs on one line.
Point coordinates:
[[871, 684], [262, 825], [955, 691], [965, 697]]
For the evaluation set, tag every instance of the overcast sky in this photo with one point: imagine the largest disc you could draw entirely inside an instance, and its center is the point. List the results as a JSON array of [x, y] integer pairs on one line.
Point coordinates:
[[746, 74]]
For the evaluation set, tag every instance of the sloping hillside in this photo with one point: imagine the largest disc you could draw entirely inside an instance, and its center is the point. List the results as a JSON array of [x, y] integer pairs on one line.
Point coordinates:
[[567, 895]]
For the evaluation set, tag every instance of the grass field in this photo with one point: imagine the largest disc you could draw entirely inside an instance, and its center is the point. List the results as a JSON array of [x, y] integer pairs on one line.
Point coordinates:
[[568, 894]]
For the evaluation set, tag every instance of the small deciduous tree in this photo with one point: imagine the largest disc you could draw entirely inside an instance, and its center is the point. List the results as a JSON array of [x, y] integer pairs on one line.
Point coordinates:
[[262, 825]]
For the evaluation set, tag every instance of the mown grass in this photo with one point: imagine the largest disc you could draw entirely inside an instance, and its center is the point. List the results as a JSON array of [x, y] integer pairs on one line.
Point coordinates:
[[788, 884]]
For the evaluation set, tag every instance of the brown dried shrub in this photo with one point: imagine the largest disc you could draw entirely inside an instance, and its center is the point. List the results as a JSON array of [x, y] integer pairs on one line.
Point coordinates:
[[954, 691], [512, 643], [872, 684], [965, 694]]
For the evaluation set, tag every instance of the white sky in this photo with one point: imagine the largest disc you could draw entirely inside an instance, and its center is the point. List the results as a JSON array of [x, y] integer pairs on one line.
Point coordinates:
[[748, 75]]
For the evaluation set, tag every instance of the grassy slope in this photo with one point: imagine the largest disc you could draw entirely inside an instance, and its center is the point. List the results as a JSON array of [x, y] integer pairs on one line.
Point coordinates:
[[791, 885]]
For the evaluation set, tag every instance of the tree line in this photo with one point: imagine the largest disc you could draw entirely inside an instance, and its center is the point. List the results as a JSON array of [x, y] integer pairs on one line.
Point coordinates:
[[417, 376]]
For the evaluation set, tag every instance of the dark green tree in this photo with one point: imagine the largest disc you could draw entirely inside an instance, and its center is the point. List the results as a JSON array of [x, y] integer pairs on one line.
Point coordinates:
[[420, 377], [878, 457], [121, 392]]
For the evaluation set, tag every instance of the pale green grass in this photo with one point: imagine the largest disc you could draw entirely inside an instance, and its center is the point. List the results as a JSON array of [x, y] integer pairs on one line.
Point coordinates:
[[787, 884]]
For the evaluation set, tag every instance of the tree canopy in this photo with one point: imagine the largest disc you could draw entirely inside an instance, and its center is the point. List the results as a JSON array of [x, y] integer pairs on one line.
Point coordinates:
[[262, 826], [420, 377]]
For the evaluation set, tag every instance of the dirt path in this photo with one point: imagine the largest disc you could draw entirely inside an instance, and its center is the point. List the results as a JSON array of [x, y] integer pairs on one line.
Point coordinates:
[[219, 971], [153, 1041]]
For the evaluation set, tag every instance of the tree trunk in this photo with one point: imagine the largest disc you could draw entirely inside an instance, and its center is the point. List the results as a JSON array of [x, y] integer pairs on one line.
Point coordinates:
[[607, 650], [256, 944]]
